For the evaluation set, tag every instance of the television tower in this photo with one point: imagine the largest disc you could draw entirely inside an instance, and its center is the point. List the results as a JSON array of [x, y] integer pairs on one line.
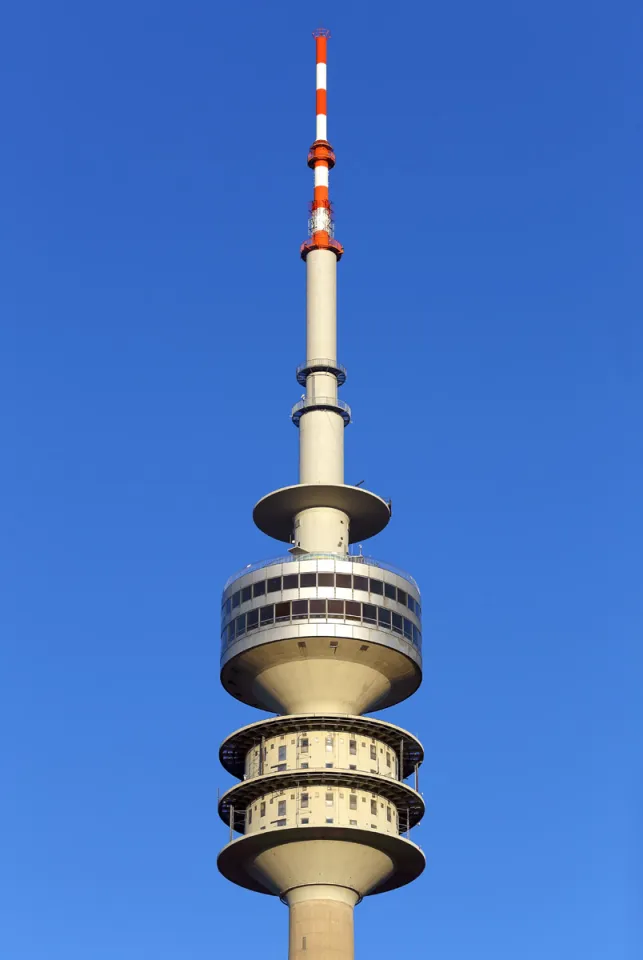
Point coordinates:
[[320, 637]]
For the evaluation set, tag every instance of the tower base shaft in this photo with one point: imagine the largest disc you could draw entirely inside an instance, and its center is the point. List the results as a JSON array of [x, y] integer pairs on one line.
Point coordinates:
[[321, 923]]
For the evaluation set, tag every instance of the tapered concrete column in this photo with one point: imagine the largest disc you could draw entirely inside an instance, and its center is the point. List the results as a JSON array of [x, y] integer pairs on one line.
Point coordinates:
[[321, 923], [321, 305]]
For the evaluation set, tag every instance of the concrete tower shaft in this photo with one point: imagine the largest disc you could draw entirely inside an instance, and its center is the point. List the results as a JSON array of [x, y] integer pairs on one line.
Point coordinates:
[[321, 814]]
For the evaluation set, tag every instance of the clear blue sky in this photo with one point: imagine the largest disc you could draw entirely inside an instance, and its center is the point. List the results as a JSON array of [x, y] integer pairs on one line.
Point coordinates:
[[155, 194]]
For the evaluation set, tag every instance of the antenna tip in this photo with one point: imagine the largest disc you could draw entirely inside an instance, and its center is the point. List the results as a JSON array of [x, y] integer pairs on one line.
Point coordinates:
[[321, 32]]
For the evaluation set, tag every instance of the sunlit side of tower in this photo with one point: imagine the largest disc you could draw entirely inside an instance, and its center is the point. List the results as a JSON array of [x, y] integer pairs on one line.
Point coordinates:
[[320, 637]]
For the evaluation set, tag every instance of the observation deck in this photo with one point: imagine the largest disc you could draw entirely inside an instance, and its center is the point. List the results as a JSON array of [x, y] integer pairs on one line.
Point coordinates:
[[357, 621]]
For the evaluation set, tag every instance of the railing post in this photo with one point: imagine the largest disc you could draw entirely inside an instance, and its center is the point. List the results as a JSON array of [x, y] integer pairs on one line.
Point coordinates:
[[401, 760], [231, 822], [417, 777]]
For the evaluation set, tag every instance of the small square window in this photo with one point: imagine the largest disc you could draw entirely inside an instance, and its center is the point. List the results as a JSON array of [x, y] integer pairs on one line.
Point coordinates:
[[303, 744], [326, 579], [360, 583], [259, 589], [304, 766], [252, 620], [390, 591], [353, 823], [304, 820], [308, 579], [291, 582], [397, 622], [329, 820], [274, 585], [281, 823], [281, 808], [329, 766], [401, 596], [352, 766], [246, 594], [344, 580], [376, 587], [236, 599], [281, 766]]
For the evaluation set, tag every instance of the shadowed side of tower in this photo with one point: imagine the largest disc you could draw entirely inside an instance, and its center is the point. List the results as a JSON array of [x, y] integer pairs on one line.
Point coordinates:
[[319, 637]]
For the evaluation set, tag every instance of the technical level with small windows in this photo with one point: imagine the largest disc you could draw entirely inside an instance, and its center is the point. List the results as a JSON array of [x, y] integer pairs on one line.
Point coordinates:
[[322, 813]]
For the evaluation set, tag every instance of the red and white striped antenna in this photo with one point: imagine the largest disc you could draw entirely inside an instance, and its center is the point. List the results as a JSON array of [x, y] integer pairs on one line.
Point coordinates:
[[321, 160]]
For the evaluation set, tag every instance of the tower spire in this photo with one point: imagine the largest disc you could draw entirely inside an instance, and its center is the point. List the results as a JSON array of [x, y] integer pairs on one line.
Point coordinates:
[[320, 637]]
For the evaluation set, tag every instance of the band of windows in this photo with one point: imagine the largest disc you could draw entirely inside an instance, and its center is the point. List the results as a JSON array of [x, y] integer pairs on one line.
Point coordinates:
[[347, 581], [318, 609]]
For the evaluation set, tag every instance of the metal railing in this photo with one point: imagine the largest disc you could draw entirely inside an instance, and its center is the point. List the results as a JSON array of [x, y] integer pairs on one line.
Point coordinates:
[[321, 365], [321, 403], [350, 558]]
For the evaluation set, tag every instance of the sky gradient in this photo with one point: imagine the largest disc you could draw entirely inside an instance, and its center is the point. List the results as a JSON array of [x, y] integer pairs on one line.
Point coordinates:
[[487, 192]]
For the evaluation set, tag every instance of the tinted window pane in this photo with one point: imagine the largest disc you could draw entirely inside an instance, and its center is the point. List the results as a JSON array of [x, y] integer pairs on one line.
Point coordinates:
[[418, 609], [353, 610], [401, 596], [384, 617], [241, 625], [231, 631], [360, 583], [416, 636], [258, 589], [228, 606], [343, 580], [282, 611], [299, 609], [408, 629], [267, 614], [236, 599], [274, 585], [308, 579], [335, 608], [377, 586], [246, 594], [397, 623], [318, 608], [326, 579], [252, 620], [390, 591], [291, 582], [369, 613]]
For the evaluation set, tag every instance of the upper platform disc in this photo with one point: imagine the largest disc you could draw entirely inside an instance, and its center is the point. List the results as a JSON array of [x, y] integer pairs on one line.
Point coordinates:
[[368, 513]]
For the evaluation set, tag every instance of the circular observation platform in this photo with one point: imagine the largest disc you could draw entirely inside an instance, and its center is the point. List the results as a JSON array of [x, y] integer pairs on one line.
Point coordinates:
[[362, 860], [328, 635], [310, 742], [395, 793], [304, 370], [308, 404], [274, 514]]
